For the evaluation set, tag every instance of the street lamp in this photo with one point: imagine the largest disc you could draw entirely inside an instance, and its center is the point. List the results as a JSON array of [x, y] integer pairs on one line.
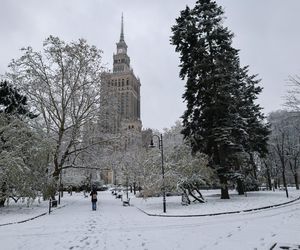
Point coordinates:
[[160, 146]]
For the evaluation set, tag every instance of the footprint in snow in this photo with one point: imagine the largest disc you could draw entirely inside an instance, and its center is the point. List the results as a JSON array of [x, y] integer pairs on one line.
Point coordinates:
[[85, 238], [73, 247]]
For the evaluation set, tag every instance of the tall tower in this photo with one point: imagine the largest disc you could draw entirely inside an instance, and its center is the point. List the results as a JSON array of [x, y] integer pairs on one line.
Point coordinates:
[[119, 113], [125, 86], [121, 61]]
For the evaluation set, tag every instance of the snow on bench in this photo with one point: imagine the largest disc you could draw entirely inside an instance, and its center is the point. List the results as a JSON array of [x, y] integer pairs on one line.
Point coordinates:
[[126, 202]]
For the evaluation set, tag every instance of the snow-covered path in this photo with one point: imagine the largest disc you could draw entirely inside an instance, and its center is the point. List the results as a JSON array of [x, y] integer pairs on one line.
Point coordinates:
[[113, 226]]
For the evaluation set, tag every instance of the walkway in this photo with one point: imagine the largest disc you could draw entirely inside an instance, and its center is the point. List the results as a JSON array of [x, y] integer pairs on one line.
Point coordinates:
[[113, 226]]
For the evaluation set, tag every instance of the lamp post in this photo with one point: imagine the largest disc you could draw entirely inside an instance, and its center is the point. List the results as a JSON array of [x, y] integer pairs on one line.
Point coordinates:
[[160, 146]]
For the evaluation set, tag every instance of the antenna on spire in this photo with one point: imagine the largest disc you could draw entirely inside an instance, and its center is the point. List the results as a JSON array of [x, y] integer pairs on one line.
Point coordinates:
[[122, 30]]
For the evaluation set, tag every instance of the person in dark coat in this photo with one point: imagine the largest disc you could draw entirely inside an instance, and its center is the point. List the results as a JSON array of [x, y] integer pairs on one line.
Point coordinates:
[[93, 195]]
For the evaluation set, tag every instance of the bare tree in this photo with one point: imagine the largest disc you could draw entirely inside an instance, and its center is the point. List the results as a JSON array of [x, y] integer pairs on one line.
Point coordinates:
[[63, 83], [293, 104], [270, 169], [293, 96], [279, 140]]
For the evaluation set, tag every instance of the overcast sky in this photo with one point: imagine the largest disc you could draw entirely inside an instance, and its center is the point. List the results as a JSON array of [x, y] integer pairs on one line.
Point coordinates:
[[266, 32]]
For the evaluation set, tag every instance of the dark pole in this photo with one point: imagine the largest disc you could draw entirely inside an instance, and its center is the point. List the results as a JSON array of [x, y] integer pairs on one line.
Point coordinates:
[[163, 173], [50, 205], [283, 173], [127, 187], [160, 146], [59, 189]]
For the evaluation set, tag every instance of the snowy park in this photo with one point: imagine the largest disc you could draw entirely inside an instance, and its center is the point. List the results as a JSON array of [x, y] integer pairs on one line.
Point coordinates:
[[149, 125], [143, 225]]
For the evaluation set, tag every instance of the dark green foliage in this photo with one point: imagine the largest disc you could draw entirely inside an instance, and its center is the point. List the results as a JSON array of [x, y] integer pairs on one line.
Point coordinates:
[[12, 102], [13, 106], [221, 119]]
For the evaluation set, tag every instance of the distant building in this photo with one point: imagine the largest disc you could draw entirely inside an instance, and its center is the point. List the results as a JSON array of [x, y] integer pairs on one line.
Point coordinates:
[[121, 102], [121, 92], [119, 116]]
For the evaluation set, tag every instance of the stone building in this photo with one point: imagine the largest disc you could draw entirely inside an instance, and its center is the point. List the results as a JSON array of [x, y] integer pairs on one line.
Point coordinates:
[[121, 102], [121, 92], [119, 117]]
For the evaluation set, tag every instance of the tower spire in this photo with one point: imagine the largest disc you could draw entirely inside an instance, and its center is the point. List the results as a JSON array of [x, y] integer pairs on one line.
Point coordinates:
[[122, 30]]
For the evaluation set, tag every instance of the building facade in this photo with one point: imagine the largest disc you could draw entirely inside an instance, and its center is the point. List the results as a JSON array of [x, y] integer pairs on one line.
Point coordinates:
[[121, 92], [119, 117], [121, 104]]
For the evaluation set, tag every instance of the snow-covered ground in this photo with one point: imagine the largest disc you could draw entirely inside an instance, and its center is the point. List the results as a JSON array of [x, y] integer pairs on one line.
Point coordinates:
[[114, 226], [214, 204]]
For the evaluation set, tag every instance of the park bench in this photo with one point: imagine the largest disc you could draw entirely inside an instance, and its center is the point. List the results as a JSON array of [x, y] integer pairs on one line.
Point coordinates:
[[119, 195], [126, 202]]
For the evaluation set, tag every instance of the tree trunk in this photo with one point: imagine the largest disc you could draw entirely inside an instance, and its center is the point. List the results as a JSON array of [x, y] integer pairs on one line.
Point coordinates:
[[2, 202], [296, 180], [185, 200], [199, 193], [224, 188], [269, 179], [284, 184], [134, 188], [254, 168], [240, 187], [195, 197], [53, 185], [3, 193], [223, 179]]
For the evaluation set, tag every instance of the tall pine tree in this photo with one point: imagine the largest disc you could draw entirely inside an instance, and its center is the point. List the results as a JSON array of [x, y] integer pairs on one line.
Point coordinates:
[[215, 93]]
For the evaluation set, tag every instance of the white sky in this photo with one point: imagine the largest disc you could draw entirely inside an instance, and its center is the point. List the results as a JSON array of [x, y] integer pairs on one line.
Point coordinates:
[[266, 32]]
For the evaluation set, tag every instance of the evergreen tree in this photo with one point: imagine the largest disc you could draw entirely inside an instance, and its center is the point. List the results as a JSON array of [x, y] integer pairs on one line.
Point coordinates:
[[16, 144], [217, 119], [12, 102], [257, 130]]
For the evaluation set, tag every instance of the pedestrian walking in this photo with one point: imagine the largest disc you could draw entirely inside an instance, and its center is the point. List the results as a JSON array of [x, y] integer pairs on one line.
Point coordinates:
[[93, 195]]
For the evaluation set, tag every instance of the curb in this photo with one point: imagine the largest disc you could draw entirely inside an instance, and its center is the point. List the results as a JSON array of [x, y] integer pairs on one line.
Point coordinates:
[[221, 213], [32, 218]]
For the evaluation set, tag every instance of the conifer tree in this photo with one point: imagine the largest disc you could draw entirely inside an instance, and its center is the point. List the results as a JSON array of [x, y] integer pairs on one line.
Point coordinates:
[[216, 93], [12, 102], [17, 143], [257, 130]]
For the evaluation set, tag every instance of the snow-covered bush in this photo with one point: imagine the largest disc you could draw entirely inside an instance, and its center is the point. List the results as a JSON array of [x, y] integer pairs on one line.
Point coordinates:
[[23, 159]]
